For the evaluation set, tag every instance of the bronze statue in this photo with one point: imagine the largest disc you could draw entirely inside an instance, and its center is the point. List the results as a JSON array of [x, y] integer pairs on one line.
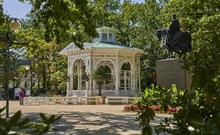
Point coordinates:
[[174, 40]]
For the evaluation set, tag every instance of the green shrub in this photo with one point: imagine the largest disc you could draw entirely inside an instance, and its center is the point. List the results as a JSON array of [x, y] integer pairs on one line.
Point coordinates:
[[195, 116]]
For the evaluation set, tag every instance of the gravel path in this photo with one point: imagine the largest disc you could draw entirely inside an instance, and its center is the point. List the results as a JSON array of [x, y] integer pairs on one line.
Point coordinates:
[[84, 119]]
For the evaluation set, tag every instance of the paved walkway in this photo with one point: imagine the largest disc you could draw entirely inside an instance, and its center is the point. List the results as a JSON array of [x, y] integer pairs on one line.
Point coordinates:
[[84, 119]]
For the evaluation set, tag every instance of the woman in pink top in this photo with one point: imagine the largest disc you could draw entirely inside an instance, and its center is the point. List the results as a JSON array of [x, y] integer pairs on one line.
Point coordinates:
[[21, 96]]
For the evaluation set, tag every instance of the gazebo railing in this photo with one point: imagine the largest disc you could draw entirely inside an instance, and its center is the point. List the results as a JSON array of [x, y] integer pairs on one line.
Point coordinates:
[[77, 100]]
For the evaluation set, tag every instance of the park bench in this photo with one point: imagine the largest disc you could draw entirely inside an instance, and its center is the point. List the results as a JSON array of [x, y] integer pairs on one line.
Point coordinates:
[[119, 100]]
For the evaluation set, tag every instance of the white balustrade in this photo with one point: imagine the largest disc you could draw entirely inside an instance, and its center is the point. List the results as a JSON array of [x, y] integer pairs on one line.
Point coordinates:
[[77, 100]]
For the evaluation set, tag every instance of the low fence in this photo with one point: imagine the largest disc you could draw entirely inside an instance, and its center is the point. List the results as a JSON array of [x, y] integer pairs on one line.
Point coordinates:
[[95, 100]]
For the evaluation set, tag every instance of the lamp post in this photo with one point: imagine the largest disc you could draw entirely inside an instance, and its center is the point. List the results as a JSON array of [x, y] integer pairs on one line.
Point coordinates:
[[30, 76], [37, 60], [27, 67], [14, 24]]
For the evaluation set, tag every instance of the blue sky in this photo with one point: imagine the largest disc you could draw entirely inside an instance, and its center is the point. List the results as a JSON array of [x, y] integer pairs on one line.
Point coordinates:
[[19, 10]]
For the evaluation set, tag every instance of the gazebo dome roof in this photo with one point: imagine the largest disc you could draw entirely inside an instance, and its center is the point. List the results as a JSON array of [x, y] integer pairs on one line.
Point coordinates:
[[98, 45], [107, 45], [106, 40]]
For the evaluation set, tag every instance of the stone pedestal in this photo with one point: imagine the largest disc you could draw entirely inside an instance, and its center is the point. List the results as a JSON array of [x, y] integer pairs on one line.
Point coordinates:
[[169, 72]]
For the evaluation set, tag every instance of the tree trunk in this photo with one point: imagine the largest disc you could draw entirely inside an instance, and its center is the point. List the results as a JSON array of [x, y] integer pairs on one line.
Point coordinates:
[[100, 89], [44, 77]]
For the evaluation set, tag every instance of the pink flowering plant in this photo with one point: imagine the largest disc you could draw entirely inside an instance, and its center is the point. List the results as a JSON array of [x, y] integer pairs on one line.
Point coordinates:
[[190, 109], [155, 108]]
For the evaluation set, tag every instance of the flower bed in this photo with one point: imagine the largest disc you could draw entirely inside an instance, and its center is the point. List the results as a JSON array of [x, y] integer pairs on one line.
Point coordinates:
[[136, 108]]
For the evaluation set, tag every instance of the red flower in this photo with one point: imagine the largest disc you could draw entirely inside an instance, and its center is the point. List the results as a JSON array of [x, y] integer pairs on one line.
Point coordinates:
[[155, 108]]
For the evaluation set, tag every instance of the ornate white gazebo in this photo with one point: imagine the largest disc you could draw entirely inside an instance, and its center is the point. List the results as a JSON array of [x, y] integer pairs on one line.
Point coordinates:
[[123, 63]]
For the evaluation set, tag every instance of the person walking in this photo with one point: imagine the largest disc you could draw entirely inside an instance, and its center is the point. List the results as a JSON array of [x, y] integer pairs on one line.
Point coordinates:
[[21, 96]]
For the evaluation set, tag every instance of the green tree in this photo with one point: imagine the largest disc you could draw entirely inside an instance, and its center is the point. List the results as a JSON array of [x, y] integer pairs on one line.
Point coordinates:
[[101, 75], [201, 19], [106, 12], [137, 24], [140, 21], [1, 14], [199, 107], [44, 57], [9, 56], [61, 18]]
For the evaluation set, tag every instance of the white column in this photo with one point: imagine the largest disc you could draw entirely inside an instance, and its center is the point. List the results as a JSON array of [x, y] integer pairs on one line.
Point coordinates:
[[67, 89], [68, 75], [125, 80], [139, 74], [70, 70], [117, 83], [117, 75], [93, 81], [136, 75], [89, 75], [71, 81], [90, 83], [87, 84], [78, 75], [108, 36], [133, 76], [132, 81]]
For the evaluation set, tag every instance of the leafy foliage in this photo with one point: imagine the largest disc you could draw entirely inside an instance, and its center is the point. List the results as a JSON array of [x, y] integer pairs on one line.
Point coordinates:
[[49, 33], [9, 57], [200, 106], [101, 75], [152, 96], [1, 14], [45, 59], [61, 18], [194, 111]]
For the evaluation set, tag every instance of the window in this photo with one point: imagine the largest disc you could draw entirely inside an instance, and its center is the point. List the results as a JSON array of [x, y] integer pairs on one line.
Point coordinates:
[[110, 36], [104, 36]]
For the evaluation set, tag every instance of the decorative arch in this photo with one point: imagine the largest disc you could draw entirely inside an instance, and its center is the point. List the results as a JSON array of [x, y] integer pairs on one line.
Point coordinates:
[[101, 60], [126, 75], [126, 61], [105, 65], [112, 65], [108, 85], [77, 58], [78, 75]]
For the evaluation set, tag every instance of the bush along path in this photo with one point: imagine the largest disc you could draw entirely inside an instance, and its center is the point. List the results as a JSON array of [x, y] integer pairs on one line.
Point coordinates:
[[191, 115]]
